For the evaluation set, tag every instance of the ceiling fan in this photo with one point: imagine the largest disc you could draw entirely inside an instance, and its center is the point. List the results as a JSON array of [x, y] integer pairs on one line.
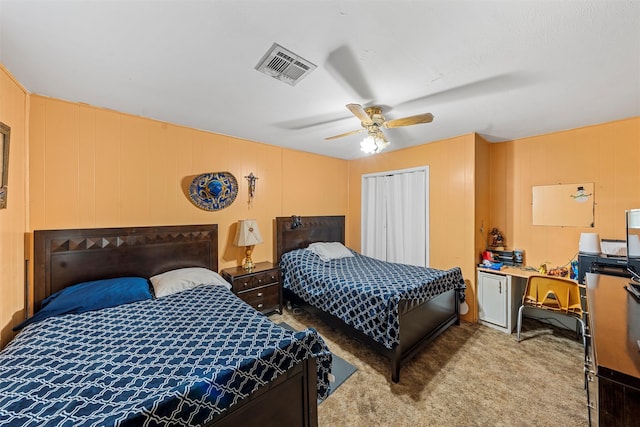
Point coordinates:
[[373, 122]]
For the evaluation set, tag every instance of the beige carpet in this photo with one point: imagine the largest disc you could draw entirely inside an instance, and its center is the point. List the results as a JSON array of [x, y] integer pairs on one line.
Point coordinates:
[[471, 375]]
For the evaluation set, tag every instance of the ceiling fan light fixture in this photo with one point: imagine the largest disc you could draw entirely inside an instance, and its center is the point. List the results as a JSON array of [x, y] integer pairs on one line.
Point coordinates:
[[372, 122], [373, 144]]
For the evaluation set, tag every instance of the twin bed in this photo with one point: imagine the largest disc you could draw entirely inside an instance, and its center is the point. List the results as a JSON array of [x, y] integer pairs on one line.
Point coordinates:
[[199, 356], [395, 308], [194, 353]]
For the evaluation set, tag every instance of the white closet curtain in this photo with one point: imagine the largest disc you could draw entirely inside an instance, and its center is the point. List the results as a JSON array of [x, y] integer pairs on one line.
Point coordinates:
[[374, 217], [395, 216]]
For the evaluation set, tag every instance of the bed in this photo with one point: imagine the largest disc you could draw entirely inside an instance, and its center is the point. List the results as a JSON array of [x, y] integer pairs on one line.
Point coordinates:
[[195, 356], [413, 315]]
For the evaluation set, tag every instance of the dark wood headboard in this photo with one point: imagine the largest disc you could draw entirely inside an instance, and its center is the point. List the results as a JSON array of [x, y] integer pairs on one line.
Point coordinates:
[[66, 257], [299, 232]]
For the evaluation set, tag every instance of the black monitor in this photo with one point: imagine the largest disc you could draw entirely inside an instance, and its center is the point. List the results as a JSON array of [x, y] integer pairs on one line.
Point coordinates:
[[633, 241]]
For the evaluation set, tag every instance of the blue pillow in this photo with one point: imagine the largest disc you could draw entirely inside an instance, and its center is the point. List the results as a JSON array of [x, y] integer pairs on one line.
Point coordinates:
[[90, 296]]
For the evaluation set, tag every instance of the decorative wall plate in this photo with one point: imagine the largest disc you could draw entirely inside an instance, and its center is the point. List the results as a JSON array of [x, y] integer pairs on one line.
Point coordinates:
[[213, 191]]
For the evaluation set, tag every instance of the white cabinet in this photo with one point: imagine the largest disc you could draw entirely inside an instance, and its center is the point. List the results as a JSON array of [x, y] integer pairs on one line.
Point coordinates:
[[493, 299], [498, 300], [500, 296]]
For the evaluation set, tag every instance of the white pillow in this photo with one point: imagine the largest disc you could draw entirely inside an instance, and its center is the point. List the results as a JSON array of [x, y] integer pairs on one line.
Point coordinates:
[[330, 250], [174, 281]]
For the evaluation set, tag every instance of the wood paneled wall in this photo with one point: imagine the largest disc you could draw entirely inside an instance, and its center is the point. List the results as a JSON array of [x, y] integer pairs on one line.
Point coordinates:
[[13, 220], [74, 165], [91, 167], [451, 199], [607, 155]]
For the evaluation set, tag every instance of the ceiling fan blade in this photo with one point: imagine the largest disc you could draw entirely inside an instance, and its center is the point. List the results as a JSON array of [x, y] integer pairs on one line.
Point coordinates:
[[488, 86], [315, 121], [408, 121], [343, 64], [359, 112], [353, 132]]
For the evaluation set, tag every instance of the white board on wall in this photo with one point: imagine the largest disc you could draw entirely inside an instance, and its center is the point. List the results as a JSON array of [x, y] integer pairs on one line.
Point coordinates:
[[564, 205]]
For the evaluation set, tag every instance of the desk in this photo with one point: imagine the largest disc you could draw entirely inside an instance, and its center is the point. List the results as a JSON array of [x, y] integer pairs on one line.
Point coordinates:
[[500, 295], [520, 272]]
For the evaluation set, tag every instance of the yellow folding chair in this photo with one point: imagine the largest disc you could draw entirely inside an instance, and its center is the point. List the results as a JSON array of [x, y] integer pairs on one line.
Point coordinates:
[[555, 294]]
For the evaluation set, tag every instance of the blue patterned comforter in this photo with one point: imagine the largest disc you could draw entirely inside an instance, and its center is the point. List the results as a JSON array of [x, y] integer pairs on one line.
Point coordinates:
[[364, 292], [178, 360]]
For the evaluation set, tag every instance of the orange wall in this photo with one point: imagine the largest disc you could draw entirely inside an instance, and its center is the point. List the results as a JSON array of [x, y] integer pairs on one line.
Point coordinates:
[[13, 112], [451, 199], [91, 167], [607, 155], [482, 205]]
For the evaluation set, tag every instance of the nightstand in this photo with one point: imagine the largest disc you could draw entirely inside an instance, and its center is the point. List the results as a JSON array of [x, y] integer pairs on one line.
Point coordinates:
[[260, 287]]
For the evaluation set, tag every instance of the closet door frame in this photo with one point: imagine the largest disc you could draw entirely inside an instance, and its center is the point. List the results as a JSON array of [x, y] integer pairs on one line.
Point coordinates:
[[365, 201]]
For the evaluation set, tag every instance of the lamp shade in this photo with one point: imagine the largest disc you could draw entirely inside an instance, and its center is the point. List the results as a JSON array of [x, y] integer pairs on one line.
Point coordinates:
[[589, 243], [248, 233]]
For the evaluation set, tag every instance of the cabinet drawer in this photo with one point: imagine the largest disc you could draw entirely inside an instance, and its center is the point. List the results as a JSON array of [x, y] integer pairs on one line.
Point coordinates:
[[255, 280], [263, 299]]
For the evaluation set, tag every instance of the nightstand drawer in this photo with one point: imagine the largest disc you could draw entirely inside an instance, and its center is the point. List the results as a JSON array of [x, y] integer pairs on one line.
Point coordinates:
[[263, 299], [257, 280]]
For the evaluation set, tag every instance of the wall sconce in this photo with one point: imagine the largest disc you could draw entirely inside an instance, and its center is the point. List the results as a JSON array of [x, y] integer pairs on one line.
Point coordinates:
[[247, 235], [251, 179]]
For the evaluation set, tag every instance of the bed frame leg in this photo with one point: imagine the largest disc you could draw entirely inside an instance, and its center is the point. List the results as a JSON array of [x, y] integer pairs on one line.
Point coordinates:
[[460, 298], [395, 364]]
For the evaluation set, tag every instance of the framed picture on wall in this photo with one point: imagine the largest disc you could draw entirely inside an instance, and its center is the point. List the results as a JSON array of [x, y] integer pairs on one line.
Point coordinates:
[[5, 132]]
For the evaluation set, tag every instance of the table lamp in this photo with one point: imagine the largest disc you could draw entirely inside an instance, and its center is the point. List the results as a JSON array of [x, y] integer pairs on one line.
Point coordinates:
[[247, 235]]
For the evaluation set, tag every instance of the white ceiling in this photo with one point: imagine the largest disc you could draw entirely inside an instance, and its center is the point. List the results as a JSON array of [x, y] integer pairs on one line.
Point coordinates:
[[503, 69]]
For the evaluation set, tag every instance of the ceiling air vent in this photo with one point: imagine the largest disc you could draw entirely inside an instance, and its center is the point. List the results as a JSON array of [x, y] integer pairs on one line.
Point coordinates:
[[284, 65]]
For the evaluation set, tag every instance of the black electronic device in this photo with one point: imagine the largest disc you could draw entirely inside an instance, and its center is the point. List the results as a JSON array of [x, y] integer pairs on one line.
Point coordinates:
[[505, 257], [610, 265]]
